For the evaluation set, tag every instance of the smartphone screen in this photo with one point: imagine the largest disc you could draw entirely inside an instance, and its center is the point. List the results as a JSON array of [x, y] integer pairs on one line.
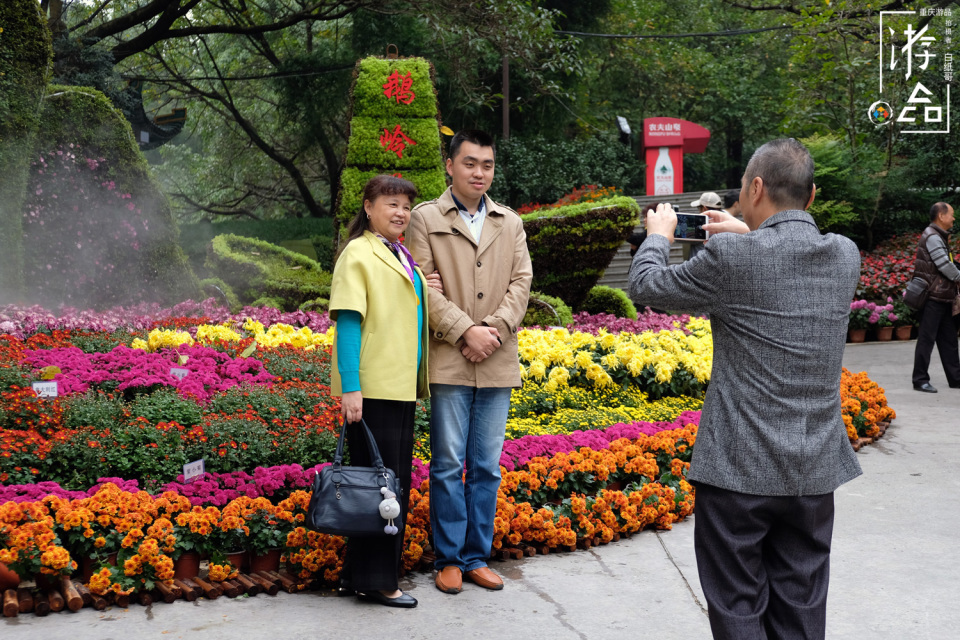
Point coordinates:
[[690, 227]]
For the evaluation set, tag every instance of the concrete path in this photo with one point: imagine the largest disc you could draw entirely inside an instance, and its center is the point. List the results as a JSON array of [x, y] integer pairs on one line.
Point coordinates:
[[894, 570]]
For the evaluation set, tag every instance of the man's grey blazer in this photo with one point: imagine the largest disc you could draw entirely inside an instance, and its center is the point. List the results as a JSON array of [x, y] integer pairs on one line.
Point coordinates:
[[779, 301]]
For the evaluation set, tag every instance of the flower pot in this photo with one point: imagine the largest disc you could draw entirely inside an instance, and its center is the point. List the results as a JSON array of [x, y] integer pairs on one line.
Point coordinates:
[[884, 334], [903, 333], [269, 561], [857, 335], [239, 559], [187, 565], [8, 578], [91, 564]]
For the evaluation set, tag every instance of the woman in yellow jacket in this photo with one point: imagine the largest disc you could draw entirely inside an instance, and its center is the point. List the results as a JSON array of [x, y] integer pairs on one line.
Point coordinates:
[[379, 365]]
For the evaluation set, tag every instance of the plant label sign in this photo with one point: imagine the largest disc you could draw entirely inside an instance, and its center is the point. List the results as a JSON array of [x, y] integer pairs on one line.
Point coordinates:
[[179, 373], [46, 389], [193, 470]]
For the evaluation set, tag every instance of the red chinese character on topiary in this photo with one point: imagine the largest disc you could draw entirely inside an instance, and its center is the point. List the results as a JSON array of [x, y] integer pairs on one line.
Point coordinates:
[[398, 87], [395, 141]]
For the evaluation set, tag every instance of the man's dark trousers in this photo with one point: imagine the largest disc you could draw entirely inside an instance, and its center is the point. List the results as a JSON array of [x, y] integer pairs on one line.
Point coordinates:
[[764, 563], [936, 325]]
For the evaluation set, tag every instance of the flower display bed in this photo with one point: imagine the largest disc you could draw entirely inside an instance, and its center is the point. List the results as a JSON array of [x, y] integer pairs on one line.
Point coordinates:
[[599, 442]]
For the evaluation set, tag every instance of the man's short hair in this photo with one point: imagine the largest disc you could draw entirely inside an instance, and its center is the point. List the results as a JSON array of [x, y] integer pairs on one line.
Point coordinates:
[[731, 198], [477, 137], [786, 168], [937, 209]]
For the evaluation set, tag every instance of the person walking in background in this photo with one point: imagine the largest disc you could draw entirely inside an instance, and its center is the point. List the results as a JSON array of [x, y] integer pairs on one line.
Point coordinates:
[[935, 265], [771, 446], [708, 201], [380, 365], [480, 250], [731, 203]]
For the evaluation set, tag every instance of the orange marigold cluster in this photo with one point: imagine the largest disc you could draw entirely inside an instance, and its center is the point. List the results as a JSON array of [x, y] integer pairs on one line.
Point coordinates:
[[863, 405]]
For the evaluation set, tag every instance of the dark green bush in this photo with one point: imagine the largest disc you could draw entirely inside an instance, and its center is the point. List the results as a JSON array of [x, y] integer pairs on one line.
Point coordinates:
[[535, 169], [166, 405], [546, 311], [261, 400], [232, 444], [571, 246], [92, 409], [603, 299]]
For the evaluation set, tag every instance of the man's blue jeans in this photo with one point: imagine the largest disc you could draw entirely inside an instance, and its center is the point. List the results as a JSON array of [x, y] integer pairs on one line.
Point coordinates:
[[467, 425]]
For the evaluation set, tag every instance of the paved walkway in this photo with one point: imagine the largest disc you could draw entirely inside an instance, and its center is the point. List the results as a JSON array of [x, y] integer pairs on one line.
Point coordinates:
[[895, 564]]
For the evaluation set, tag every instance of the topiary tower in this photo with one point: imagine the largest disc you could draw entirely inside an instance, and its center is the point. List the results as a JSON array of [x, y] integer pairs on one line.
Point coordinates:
[[394, 129], [25, 55], [98, 231], [83, 223]]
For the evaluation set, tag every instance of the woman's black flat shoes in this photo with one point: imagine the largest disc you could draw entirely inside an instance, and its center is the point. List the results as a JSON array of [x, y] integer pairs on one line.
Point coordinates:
[[404, 601]]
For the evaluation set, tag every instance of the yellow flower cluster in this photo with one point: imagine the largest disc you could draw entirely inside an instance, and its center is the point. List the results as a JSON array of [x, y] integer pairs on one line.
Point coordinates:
[[284, 334], [536, 410], [213, 332], [560, 358], [276, 335], [161, 338]]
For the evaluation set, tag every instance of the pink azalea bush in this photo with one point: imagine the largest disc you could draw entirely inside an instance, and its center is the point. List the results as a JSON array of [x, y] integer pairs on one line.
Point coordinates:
[[25, 321], [210, 370], [646, 321]]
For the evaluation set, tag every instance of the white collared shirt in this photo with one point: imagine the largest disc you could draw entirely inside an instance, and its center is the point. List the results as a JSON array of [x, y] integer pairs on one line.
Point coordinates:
[[474, 222]]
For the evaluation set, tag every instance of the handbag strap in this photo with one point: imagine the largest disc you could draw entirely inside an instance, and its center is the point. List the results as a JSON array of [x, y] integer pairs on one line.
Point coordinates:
[[372, 449]]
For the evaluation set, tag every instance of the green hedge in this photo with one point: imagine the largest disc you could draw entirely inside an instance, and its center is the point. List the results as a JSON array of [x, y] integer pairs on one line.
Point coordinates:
[[196, 237], [546, 311], [603, 299], [25, 55], [368, 93], [373, 114], [258, 270], [571, 246]]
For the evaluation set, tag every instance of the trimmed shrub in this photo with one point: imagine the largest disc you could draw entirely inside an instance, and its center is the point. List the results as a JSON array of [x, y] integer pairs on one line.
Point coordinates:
[[25, 54], [217, 288], [98, 232], [258, 270], [546, 311], [394, 129], [603, 299], [196, 237], [571, 246]]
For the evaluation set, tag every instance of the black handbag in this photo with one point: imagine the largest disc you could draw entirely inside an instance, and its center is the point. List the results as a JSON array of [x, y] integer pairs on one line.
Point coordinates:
[[346, 500], [916, 293]]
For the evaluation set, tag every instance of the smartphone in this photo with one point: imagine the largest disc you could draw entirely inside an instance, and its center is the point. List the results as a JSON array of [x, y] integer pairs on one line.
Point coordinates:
[[690, 227]]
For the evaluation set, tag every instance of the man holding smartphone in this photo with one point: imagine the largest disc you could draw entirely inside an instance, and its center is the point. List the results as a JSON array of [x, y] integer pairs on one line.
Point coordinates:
[[771, 447]]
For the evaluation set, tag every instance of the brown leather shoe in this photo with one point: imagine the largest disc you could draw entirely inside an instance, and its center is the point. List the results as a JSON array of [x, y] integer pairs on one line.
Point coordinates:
[[484, 577], [449, 580]]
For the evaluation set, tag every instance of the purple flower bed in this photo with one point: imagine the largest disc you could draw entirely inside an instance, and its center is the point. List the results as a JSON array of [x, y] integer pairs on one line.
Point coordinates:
[[518, 452], [646, 321], [210, 370], [22, 321], [218, 489]]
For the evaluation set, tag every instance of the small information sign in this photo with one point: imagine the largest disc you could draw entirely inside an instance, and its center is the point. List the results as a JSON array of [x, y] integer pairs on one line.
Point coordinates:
[[179, 373], [46, 389], [193, 471]]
